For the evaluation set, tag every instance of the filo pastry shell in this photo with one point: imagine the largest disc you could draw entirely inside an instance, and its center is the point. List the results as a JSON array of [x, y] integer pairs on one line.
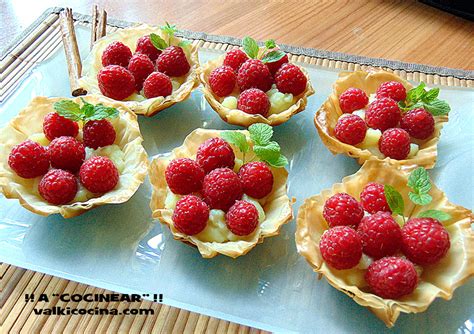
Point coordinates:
[[129, 36], [238, 117], [30, 121], [438, 280], [277, 205], [328, 114]]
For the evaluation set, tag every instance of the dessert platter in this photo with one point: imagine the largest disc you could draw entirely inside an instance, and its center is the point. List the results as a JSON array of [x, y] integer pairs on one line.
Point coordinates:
[[367, 161]]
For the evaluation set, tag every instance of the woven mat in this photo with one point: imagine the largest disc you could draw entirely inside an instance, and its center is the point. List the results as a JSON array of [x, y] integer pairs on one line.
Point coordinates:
[[40, 40]]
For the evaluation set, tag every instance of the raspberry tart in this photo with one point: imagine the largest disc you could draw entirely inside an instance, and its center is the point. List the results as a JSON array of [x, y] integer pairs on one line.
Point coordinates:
[[146, 68], [67, 156], [216, 193], [255, 85], [408, 247], [379, 115]]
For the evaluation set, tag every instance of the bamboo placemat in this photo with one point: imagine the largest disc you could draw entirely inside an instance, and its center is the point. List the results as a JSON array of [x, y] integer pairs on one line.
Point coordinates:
[[38, 42]]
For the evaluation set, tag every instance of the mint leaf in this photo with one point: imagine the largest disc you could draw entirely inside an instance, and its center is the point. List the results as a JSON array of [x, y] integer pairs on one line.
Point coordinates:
[[270, 44], [250, 47], [102, 112], [419, 199], [88, 111], [279, 162], [237, 139], [169, 29], [436, 214], [261, 133], [419, 181], [269, 152], [158, 42], [273, 56], [68, 109], [431, 95], [437, 107], [184, 43], [394, 199], [415, 94]]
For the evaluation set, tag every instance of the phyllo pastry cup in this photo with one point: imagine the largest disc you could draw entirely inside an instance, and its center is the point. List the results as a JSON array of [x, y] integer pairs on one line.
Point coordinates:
[[238, 117], [30, 122], [137, 103], [438, 280], [277, 205], [327, 115]]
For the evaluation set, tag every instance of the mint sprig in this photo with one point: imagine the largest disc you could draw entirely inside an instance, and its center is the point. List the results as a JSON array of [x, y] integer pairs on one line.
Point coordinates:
[[170, 30], [436, 214], [158, 42], [88, 112], [394, 199], [419, 182], [419, 97], [251, 48]]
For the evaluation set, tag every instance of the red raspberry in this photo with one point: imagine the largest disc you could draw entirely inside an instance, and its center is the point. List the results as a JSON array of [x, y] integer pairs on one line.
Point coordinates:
[[382, 114], [190, 215], [373, 198], [146, 47], [221, 188], [157, 84], [55, 126], [235, 58], [380, 234], [256, 178], [215, 153], [424, 240], [254, 74], [254, 101], [98, 133], [392, 277], [395, 143], [99, 175], [290, 79], [222, 80], [418, 123], [353, 99], [392, 89], [350, 129], [173, 62], [29, 159], [141, 67], [116, 82], [66, 153], [184, 176], [58, 187], [116, 53], [275, 66], [341, 247], [342, 209], [242, 218]]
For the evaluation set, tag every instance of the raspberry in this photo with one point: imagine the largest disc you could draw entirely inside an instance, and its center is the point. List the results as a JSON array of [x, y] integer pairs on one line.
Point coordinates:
[[392, 89], [382, 114], [254, 74], [222, 80], [66, 153], [342, 209], [116, 53], [184, 176], [157, 84], [418, 123], [275, 66], [380, 234], [99, 175], [350, 129], [242, 218], [256, 178], [98, 133], [290, 79], [353, 99], [395, 143], [391, 277], [341, 247], [215, 153], [190, 215], [146, 47], [254, 101], [141, 67], [55, 126], [172, 62], [424, 240], [373, 198], [29, 159], [58, 187], [235, 58], [116, 82], [221, 188]]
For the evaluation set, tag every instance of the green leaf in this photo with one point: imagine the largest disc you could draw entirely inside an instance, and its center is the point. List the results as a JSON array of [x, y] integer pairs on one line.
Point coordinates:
[[270, 44], [419, 199], [436, 214], [68, 109], [102, 112], [158, 42], [269, 152], [169, 29], [431, 95], [184, 43], [237, 139], [419, 181], [273, 56], [438, 107], [394, 199], [280, 162], [261, 133], [250, 47], [415, 94]]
